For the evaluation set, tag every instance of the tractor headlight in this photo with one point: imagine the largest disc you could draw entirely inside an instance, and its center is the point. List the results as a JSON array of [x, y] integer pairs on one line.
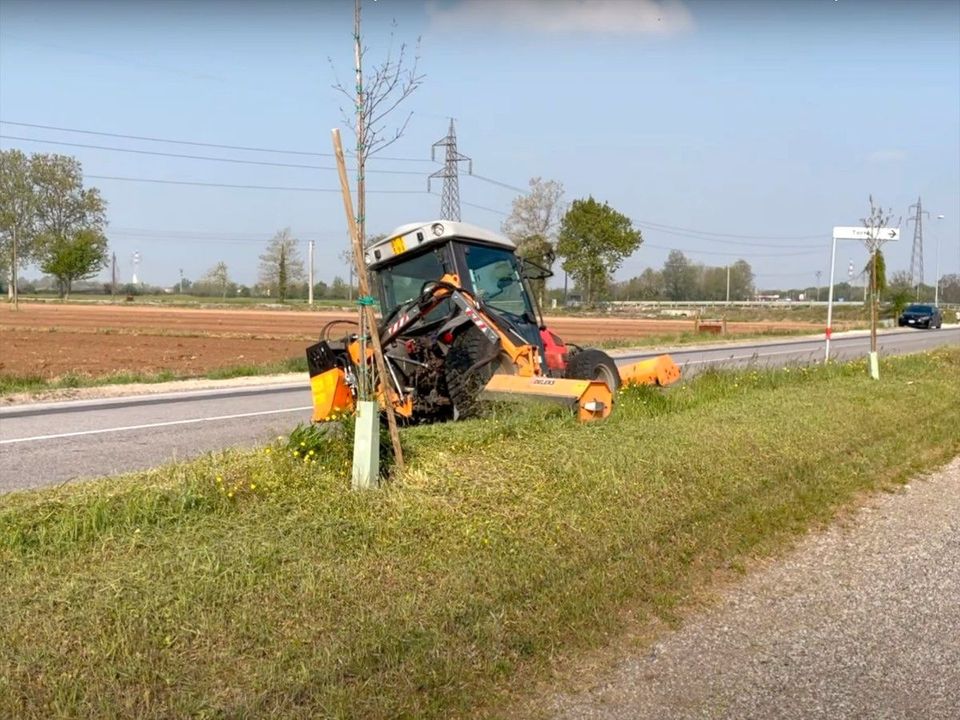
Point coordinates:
[[437, 229]]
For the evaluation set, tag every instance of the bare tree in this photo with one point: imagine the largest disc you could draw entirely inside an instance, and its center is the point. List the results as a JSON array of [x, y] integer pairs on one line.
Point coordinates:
[[533, 224], [536, 214], [373, 97]]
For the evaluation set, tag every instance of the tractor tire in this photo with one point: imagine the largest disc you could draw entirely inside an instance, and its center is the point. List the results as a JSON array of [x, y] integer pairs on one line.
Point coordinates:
[[593, 364], [464, 378]]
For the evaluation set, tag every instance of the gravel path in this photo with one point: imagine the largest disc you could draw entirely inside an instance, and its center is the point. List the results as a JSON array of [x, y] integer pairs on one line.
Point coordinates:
[[860, 621]]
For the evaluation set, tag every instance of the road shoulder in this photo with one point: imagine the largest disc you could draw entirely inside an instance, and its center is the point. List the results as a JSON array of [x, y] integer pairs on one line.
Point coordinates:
[[860, 620]]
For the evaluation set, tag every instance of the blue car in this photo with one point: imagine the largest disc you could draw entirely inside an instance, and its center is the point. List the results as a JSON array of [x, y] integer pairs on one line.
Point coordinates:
[[921, 316]]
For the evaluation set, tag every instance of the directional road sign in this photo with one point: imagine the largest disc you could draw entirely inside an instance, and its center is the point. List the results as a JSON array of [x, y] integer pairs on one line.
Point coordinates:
[[861, 233]]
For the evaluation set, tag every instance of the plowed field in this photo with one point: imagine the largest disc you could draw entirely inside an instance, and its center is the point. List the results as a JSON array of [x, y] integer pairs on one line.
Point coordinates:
[[51, 339]]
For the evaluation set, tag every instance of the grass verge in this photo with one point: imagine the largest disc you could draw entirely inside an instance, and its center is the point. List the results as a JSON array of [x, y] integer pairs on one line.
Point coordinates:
[[254, 584], [10, 384]]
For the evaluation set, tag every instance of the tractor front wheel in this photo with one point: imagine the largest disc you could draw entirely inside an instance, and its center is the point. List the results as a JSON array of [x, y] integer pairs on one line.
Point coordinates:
[[593, 364], [469, 365]]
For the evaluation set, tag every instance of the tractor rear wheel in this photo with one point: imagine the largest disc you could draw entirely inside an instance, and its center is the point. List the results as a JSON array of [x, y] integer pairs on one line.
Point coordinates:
[[469, 365], [593, 364]]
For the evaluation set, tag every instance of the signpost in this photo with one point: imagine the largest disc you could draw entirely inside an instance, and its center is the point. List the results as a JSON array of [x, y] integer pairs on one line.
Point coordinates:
[[861, 233]]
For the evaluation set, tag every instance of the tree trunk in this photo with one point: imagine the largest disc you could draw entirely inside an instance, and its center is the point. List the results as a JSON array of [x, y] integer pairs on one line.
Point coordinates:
[[14, 280], [873, 303]]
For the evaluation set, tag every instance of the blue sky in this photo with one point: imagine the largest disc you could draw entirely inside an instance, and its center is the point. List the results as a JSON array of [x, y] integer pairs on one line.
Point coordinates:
[[757, 125]]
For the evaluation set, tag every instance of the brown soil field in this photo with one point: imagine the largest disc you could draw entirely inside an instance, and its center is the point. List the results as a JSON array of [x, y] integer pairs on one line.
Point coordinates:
[[50, 340]]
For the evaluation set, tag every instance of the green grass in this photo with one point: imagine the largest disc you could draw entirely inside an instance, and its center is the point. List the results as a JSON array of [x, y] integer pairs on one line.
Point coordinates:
[[693, 338], [10, 384], [254, 584]]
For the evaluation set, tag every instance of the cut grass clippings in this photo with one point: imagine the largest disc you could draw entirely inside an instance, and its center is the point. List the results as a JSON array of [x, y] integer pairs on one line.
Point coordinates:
[[254, 584]]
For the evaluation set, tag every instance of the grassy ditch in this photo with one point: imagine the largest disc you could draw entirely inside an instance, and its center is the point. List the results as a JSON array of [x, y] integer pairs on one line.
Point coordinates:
[[254, 584], [10, 384]]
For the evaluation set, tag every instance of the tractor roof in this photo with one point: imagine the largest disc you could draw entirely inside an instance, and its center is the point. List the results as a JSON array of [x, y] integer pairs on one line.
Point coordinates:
[[409, 237]]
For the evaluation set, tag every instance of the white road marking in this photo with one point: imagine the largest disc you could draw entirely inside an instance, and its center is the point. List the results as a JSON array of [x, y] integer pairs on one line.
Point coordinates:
[[152, 425]]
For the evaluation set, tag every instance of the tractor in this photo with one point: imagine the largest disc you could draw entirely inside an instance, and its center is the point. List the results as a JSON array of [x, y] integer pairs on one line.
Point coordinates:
[[459, 325]]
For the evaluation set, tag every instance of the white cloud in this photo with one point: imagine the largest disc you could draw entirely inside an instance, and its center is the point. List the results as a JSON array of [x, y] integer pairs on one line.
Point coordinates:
[[596, 17], [890, 155]]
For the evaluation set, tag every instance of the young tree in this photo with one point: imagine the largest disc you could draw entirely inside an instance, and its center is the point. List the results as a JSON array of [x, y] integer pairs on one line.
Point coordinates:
[[70, 239], [281, 265], [679, 277], [75, 258], [373, 96], [875, 223], [594, 239], [18, 202]]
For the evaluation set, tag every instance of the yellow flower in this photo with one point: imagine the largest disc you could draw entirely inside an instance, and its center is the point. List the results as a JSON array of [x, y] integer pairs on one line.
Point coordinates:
[[219, 479], [230, 494], [267, 451], [253, 486]]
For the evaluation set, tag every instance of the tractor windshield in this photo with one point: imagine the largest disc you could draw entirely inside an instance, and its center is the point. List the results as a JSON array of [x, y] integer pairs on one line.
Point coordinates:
[[404, 281], [495, 278]]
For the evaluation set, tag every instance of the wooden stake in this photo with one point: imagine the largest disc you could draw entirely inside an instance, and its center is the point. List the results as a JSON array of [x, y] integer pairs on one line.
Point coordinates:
[[367, 310]]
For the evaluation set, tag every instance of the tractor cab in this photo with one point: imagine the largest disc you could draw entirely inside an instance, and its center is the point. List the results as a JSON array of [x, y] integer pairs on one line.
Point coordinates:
[[485, 264]]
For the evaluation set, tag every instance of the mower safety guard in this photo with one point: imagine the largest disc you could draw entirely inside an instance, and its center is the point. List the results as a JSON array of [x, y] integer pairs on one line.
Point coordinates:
[[591, 399], [660, 370], [331, 394]]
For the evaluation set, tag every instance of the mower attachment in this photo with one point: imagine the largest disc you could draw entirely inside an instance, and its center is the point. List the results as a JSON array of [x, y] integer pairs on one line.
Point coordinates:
[[331, 394], [660, 370], [591, 399]]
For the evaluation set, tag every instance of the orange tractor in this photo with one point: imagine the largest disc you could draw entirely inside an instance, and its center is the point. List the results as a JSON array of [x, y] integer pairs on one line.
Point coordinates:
[[459, 324]]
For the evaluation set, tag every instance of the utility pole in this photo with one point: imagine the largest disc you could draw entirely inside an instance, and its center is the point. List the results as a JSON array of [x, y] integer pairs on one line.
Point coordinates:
[[450, 199], [181, 281], [113, 279], [310, 273], [936, 292], [728, 284], [818, 274], [916, 255]]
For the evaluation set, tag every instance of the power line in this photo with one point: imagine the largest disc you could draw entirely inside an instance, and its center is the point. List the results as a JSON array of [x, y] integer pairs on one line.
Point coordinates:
[[196, 143], [499, 184], [726, 254], [192, 183], [289, 188], [729, 235], [209, 158], [719, 241]]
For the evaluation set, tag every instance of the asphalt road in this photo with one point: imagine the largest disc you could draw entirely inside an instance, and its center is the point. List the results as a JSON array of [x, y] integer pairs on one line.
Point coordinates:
[[52, 443]]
